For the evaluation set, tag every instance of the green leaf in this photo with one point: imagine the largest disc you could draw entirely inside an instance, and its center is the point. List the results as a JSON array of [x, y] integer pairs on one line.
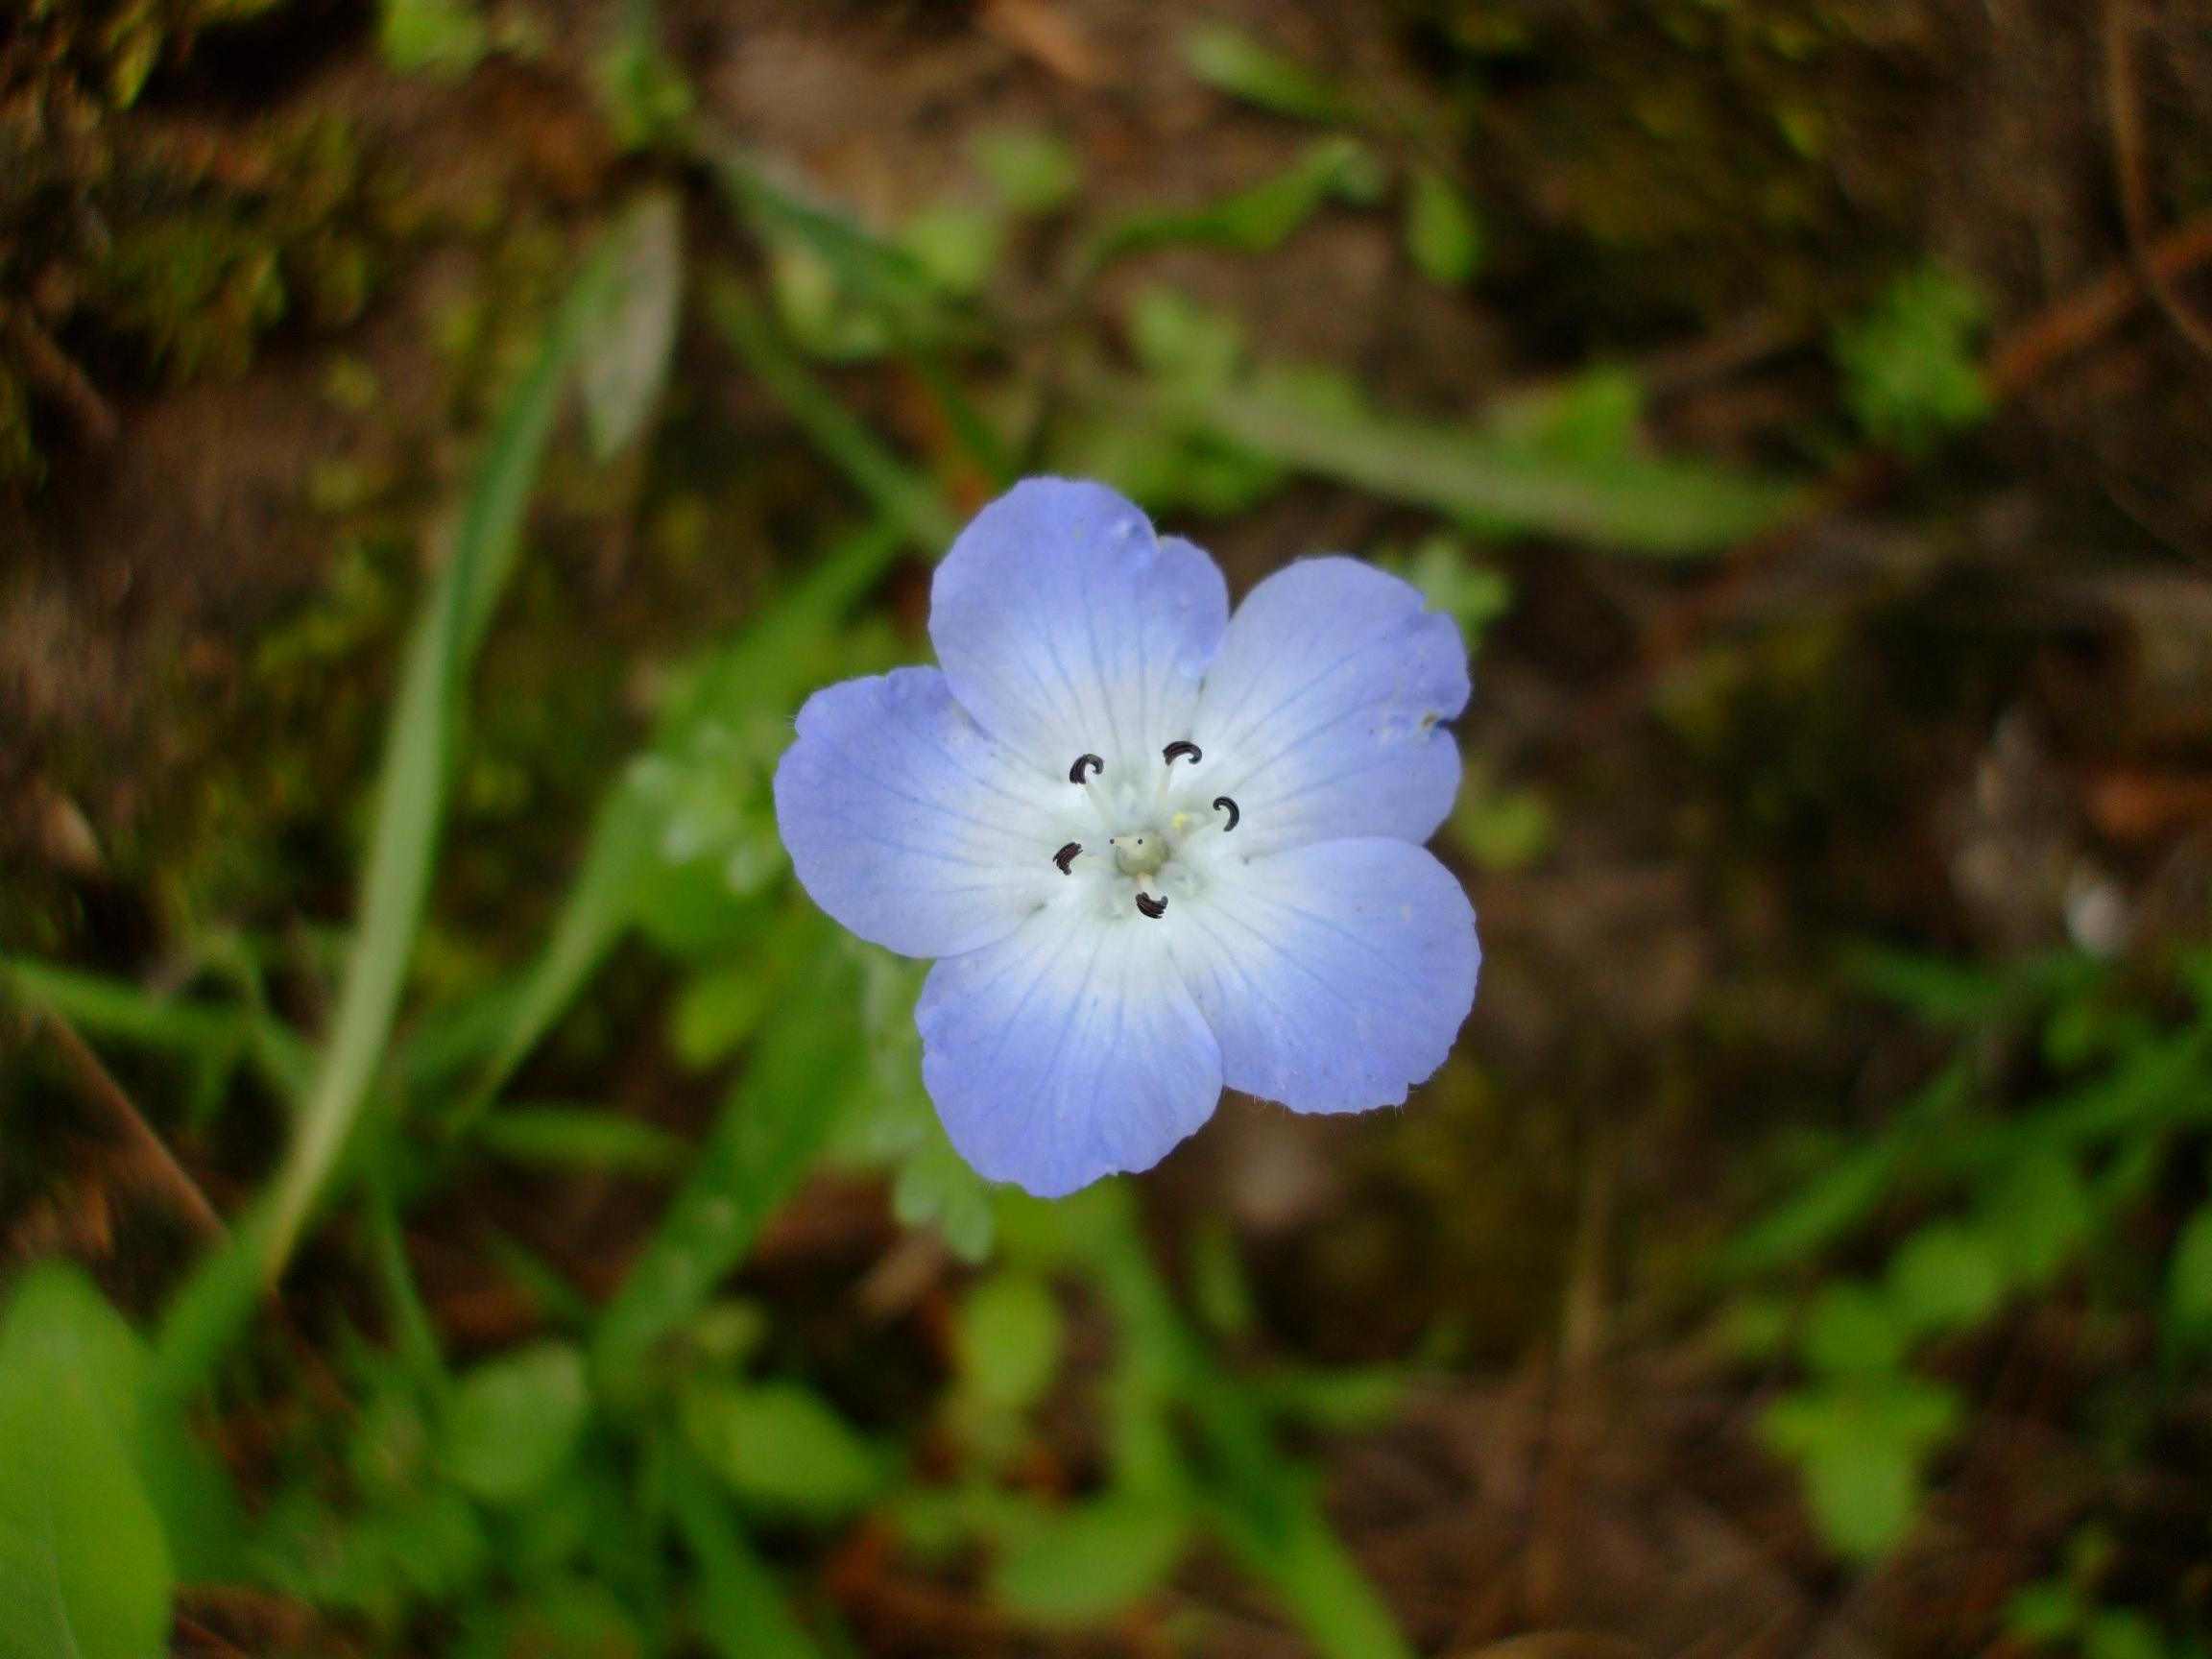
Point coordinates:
[[84, 1570], [718, 1011], [624, 355], [2035, 1213], [1815, 1216], [1229, 60], [935, 1186], [512, 1423], [2045, 1613], [956, 246], [742, 1613], [1184, 344], [2122, 1633], [1630, 503], [643, 92], [2189, 1284], [1442, 236], [766, 669], [885, 278], [213, 1037], [901, 494], [445, 37], [1851, 1329], [779, 1114], [1860, 1443], [584, 1137], [1473, 593], [1909, 369], [780, 1448], [411, 790], [1088, 1562], [1253, 221], [1300, 1557], [1034, 172], [1946, 1277], [1008, 1341]]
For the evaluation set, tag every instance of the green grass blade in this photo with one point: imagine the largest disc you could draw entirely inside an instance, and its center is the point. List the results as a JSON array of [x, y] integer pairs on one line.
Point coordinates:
[[1252, 221], [781, 1113], [580, 1137], [1323, 1589], [900, 492], [766, 667], [211, 1035], [411, 795], [742, 1613], [1629, 504]]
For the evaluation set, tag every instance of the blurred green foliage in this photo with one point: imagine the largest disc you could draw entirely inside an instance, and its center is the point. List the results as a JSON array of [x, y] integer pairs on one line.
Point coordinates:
[[627, 1482], [1994, 1187], [1909, 369]]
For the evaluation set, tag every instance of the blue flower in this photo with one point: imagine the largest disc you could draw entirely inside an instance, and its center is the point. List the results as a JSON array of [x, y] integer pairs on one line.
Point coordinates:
[[1158, 850]]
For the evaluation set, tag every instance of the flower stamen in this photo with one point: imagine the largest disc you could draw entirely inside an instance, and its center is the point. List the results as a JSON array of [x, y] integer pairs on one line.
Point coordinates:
[[1151, 906], [1076, 773], [1067, 855], [1222, 803], [1180, 747]]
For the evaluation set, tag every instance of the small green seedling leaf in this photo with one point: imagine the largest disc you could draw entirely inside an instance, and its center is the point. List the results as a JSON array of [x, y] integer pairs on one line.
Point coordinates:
[[2189, 1285], [1503, 829], [1229, 60], [1471, 593], [1090, 1561], [955, 245], [512, 1423], [780, 1448], [2046, 1613], [1852, 1331], [1034, 172], [1182, 344], [1910, 373], [1946, 1277], [2035, 1216], [1861, 1443], [1261, 218], [1009, 1337], [1443, 238], [442, 38]]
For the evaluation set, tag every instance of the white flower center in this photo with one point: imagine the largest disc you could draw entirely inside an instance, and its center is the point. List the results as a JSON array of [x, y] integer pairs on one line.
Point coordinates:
[[1144, 836]]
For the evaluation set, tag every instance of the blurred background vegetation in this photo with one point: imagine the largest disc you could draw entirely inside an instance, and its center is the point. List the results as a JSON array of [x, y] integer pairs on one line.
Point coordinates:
[[458, 1197]]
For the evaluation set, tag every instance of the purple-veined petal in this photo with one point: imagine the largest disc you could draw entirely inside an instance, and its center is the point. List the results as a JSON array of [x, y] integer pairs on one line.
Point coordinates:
[[1321, 717], [1066, 627], [1336, 976], [910, 824], [1067, 1051]]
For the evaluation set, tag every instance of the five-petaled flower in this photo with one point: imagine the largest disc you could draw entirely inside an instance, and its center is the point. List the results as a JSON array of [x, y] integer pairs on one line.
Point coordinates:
[[1158, 848]]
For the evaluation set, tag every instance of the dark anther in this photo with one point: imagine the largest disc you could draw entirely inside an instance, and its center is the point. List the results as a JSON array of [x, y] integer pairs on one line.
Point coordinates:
[[1172, 750], [1075, 771], [1151, 906], [1067, 856], [1222, 803]]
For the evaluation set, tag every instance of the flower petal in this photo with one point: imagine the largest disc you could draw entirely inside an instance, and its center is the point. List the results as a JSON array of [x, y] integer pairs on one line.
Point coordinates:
[[1323, 708], [1335, 976], [1066, 627], [1068, 1051], [910, 824]]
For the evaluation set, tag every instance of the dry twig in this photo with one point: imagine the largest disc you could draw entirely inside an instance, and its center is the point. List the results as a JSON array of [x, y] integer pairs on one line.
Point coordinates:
[[2125, 109], [148, 1157]]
